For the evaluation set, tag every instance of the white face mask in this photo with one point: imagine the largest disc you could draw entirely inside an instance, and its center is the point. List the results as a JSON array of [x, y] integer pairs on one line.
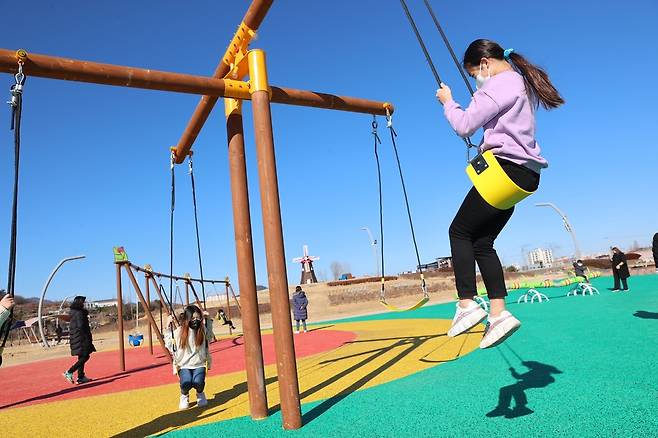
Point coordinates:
[[480, 80]]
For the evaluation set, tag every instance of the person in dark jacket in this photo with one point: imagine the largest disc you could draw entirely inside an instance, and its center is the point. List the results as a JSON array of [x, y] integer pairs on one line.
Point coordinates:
[[80, 339], [619, 269], [299, 303], [655, 250]]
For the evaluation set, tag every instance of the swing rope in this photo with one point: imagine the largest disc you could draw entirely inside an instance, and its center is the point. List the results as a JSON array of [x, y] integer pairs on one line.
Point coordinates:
[[382, 295], [467, 140], [171, 245], [16, 104], [171, 228], [449, 46], [196, 224], [389, 124]]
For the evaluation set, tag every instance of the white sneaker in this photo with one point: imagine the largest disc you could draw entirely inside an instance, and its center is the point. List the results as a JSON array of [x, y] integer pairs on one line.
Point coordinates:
[[298, 332], [201, 399], [466, 319], [499, 329], [184, 402]]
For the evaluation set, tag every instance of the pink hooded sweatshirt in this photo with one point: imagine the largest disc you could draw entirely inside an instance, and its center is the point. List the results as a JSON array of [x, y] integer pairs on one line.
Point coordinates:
[[502, 107]]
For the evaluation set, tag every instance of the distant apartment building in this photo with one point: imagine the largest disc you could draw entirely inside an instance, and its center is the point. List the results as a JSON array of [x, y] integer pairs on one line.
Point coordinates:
[[101, 303], [540, 258], [439, 263]]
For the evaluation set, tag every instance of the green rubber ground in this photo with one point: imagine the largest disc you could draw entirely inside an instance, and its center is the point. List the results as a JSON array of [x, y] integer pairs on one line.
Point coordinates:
[[594, 363]]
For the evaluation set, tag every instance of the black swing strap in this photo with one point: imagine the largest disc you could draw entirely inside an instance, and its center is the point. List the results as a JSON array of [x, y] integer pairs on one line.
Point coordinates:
[[377, 141], [16, 104], [466, 140], [389, 124], [448, 46], [196, 224]]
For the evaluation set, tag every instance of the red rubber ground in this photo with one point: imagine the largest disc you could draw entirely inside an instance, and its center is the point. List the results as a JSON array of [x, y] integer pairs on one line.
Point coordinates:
[[42, 382]]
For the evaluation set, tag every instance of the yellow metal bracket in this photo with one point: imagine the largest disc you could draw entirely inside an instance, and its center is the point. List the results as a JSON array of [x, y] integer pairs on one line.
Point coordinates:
[[236, 51], [232, 106]]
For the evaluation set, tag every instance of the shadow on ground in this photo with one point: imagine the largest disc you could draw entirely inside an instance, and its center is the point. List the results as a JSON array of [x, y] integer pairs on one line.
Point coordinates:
[[645, 315], [539, 375], [173, 420]]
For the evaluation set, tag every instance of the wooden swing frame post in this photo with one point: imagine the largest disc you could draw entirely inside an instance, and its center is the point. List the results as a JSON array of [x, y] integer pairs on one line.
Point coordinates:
[[148, 302], [122, 354], [244, 252]]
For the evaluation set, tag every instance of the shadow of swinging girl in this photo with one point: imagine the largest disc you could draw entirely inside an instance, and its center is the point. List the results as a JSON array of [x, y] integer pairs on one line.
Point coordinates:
[[539, 376]]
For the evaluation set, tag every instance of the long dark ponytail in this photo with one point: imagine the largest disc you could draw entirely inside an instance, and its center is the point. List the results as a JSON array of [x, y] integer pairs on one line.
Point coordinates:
[[537, 84]]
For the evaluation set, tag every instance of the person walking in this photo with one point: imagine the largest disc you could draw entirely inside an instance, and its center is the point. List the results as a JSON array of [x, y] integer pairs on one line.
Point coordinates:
[[620, 269], [80, 340], [300, 303]]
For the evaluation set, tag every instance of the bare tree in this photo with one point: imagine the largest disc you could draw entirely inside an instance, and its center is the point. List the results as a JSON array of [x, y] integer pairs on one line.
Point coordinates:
[[336, 269]]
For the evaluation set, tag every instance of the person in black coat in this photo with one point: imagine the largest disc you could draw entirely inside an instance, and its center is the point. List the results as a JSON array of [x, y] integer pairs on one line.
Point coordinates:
[[299, 310], [619, 269], [80, 339]]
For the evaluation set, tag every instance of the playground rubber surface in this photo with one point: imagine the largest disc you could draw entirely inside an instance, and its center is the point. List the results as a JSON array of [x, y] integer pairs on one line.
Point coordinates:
[[579, 366]]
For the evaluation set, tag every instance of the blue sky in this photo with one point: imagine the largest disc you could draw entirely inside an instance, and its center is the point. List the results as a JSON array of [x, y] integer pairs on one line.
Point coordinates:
[[95, 158]]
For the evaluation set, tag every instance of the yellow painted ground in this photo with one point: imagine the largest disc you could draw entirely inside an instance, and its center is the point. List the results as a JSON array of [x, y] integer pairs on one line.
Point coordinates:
[[382, 351]]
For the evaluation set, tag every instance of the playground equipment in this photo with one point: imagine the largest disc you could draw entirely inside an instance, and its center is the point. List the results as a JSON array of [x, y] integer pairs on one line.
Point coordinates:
[[151, 278], [532, 294], [583, 289], [237, 63]]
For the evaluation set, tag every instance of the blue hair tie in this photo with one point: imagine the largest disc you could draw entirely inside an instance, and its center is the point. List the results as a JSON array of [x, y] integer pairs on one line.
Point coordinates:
[[507, 53]]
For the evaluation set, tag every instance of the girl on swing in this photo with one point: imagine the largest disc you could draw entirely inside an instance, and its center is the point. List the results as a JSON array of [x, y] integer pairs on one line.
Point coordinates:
[[510, 89], [188, 345]]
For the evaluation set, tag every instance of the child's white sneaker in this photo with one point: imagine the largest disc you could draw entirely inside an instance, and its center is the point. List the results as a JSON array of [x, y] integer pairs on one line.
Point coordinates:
[[184, 401], [499, 329], [466, 319], [201, 399]]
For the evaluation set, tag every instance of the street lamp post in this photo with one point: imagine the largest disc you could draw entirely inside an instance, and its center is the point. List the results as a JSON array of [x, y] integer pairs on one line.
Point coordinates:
[[373, 245], [43, 294], [566, 223]]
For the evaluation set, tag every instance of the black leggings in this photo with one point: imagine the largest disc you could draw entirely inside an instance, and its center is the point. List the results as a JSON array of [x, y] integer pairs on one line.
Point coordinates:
[[79, 365], [472, 234]]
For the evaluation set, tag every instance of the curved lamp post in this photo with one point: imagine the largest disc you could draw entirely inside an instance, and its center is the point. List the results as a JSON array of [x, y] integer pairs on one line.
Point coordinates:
[[43, 294], [567, 225]]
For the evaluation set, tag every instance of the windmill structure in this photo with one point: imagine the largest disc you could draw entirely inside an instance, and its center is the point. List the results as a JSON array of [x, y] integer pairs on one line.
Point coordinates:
[[308, 274]]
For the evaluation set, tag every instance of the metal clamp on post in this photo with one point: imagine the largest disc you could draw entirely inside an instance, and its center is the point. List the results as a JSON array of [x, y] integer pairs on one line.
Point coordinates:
[[17, 88], [258, 72], [172, 163]]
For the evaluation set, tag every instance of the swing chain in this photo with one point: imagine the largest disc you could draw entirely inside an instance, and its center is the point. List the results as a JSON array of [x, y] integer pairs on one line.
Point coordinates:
[[17, 88], [172, 161], [389, 119], [374, 129], [189, 162]]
